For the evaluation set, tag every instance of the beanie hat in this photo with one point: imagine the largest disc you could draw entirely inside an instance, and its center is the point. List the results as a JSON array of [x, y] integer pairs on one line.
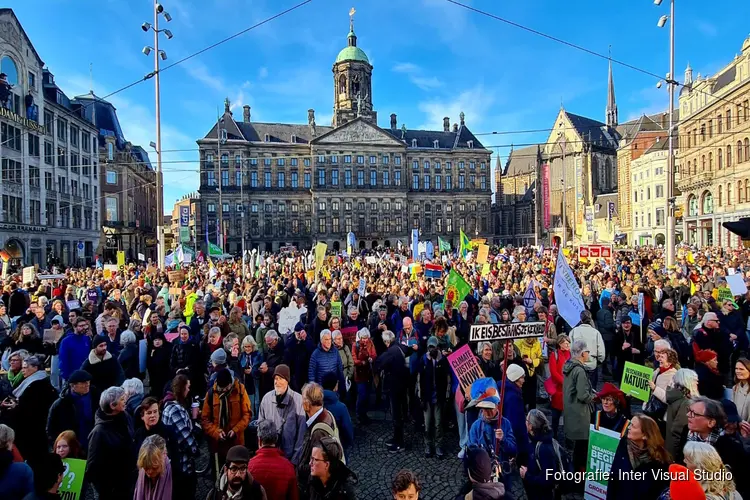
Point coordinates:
[[219, 357], [514, 372], [478, 464], [283, 372], [705, 355], [98, 340], [689, 488]]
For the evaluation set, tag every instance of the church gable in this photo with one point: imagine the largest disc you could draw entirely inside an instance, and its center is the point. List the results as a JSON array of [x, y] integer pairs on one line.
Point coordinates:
[[358, 131]]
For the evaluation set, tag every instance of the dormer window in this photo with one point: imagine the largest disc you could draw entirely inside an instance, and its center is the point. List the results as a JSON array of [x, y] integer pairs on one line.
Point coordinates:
[[470, 144], [266, 138], [435, 144], [414, 143], [294, 139]]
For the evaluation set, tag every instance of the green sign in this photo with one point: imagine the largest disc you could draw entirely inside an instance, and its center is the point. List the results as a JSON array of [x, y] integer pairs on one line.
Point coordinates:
[[635, 379], [602, 447], [184, 234], [72, 482], [336, 309], [725, 293]]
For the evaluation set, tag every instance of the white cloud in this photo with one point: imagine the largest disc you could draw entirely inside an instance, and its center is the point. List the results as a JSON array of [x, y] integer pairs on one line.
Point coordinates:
[[202, 74], [417, 76], [473, 102]]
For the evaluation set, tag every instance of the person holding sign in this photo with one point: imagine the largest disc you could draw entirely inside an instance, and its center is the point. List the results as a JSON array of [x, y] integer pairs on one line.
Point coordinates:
[[639, 463], [577, 398]]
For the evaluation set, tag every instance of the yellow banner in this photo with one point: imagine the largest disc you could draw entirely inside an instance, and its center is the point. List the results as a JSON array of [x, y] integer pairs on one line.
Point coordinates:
[[486, 270], [320, 255], [120, 258], [482, 253]]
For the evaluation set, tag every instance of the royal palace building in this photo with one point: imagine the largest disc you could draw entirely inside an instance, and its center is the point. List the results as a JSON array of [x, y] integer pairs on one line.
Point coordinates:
[[299, 184]]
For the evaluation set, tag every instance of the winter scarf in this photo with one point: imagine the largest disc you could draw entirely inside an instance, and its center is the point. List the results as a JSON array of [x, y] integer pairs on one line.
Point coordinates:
[[39, 375], [637, 455], [224, 406], [147, 489], [15, 379]]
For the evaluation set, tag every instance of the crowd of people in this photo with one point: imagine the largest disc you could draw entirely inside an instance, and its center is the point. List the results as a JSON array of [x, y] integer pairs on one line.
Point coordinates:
[[257, 374]]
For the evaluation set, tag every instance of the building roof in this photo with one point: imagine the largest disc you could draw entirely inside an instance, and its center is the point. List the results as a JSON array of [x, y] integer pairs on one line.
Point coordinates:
[[725, 78], [629, 130], [104, 115], [594, 132], [280, 132], [601, 205], [521, 161], [662, 144], [23, 32], [352, 54], [446, 140]]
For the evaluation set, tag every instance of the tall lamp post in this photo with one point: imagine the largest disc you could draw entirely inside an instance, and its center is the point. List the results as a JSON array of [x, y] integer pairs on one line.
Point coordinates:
[[671, 85], [158, 55]]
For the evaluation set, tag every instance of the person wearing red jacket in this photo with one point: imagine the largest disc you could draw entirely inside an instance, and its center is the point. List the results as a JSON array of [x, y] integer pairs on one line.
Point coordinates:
[[364, 354], [554, 384], [270, 468]]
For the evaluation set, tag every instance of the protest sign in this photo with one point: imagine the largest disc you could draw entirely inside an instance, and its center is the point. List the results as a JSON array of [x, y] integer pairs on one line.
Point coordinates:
[[602, 447], [289, 316], [28, 274], [50, 276], [335, 309], [510, 331], [73, 304], [635, 380], [466, 368], [175, 291], [737, 284], [51, 336], [120, 258], [725, 293], [176, 276], [72, 482], [362, 289], [109, 271], [567, 292], [483, 252]]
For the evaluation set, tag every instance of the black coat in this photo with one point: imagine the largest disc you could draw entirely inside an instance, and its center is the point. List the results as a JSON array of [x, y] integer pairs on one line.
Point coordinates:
[[392, 362], [623, 355], [297, 357], [64, 416], [104, 373], [29, 418], [433, 377], [542, 457], [647, 488], [111, 463], [157, 365], [710, 383]]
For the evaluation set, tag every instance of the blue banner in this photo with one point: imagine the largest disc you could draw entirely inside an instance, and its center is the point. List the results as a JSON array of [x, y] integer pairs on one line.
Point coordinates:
[[415, 244]]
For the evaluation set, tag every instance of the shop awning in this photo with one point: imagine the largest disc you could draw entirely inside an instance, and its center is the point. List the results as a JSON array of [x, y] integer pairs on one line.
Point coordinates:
[[740, 227]]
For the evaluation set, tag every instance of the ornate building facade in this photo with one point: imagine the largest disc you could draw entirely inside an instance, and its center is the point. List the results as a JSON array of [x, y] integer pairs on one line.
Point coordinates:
[[50, 182], [714, 159], [299, 184]]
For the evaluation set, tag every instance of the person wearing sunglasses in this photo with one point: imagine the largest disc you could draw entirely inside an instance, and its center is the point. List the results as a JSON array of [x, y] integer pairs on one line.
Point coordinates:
[[235, 481]]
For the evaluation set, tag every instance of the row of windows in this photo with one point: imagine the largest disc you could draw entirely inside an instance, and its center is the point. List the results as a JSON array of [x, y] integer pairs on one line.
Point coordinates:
[[87, 141], [706, 129], [646, 222], [64, 217], [640, 176], [448, 165], [348, 206], [334, 160], [723, 157], [659, 193]]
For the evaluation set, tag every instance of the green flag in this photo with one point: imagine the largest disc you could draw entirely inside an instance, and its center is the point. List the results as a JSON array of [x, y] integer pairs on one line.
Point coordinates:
[[214, 250], [457, 288], [465, 245], [443, 246]]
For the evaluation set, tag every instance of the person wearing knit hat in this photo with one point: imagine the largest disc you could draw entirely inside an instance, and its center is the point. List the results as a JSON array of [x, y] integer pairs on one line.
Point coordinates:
[[514, 408], [283, 372], [479, 470], [283, 406], [684, 485], [235, 481], [710, 379], [219, 357], [514, 373], [104, 369]]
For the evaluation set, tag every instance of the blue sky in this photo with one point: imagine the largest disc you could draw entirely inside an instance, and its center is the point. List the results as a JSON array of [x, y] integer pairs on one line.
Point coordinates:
[[431, 59]]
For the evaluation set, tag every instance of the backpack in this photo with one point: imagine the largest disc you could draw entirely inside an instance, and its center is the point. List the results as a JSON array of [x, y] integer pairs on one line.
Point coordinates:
[[331, 432], [564, 465]]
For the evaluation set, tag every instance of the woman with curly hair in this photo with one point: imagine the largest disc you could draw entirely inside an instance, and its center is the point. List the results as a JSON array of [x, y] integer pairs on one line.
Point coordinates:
[[712, 474]]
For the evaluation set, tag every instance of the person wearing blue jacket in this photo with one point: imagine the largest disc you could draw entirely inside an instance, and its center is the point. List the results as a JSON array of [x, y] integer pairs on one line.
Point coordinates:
[[543, 457], [324, 360], [485, 432], [74, 349], [513, 410], [338, 410]]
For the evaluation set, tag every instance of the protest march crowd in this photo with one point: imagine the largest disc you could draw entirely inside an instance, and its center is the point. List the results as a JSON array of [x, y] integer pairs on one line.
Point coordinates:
[[562, 375]]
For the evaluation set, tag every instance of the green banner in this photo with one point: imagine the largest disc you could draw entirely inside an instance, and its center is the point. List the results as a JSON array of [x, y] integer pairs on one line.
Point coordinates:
[[336, 309], [635, 380], [184, 234], [72, 482], [602, 447], [725, 293], [214, 250]]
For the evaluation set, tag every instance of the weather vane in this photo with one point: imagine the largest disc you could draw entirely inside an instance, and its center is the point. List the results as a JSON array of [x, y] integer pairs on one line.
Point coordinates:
[[351, 19]]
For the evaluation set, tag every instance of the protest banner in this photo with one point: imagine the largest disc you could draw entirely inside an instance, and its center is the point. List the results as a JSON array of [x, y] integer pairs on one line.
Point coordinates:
[[175, 292], [362, 289], [120, 258], [51, 336], [737, 284], [510, 331], [567, 292], [466, 368], [483, 251], [73, 304], [635, 380], [336, 309], [72, 482], [725, 293], [109, 271], [602, 447], [289, 317], [50, 276]]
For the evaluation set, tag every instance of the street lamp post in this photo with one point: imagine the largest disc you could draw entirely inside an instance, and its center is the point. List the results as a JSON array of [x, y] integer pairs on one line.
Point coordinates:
[[158, 54], [671, 84]]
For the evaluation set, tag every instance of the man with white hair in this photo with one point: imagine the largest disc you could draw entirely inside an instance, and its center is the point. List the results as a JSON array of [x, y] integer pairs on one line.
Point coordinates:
[[283, 406], [586, 332]]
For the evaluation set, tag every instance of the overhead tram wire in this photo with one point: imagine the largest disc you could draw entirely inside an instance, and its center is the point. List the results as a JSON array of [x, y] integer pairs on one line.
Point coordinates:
[[582, 48], [150, 75]]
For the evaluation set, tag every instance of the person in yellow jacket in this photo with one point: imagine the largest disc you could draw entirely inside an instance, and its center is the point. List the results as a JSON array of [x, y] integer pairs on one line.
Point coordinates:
[[190, 298], [531, 353]]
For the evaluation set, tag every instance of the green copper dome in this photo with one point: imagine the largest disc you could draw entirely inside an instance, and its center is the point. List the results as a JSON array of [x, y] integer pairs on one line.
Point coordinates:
[[352, 54]]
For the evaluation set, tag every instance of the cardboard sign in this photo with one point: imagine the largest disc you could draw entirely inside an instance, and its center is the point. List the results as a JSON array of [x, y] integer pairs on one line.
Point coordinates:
[[28, 274], [176, 291], [635, 380], [289, 317], [51, 336], [482, 253], [603, 444], [72, 482], [110, 270], [176, 276], [466, 368], [510, 331], [362, 289]]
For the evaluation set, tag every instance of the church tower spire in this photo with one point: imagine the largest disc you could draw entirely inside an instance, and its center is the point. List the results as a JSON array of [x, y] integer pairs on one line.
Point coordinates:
[[352, 82], [611, 111]]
